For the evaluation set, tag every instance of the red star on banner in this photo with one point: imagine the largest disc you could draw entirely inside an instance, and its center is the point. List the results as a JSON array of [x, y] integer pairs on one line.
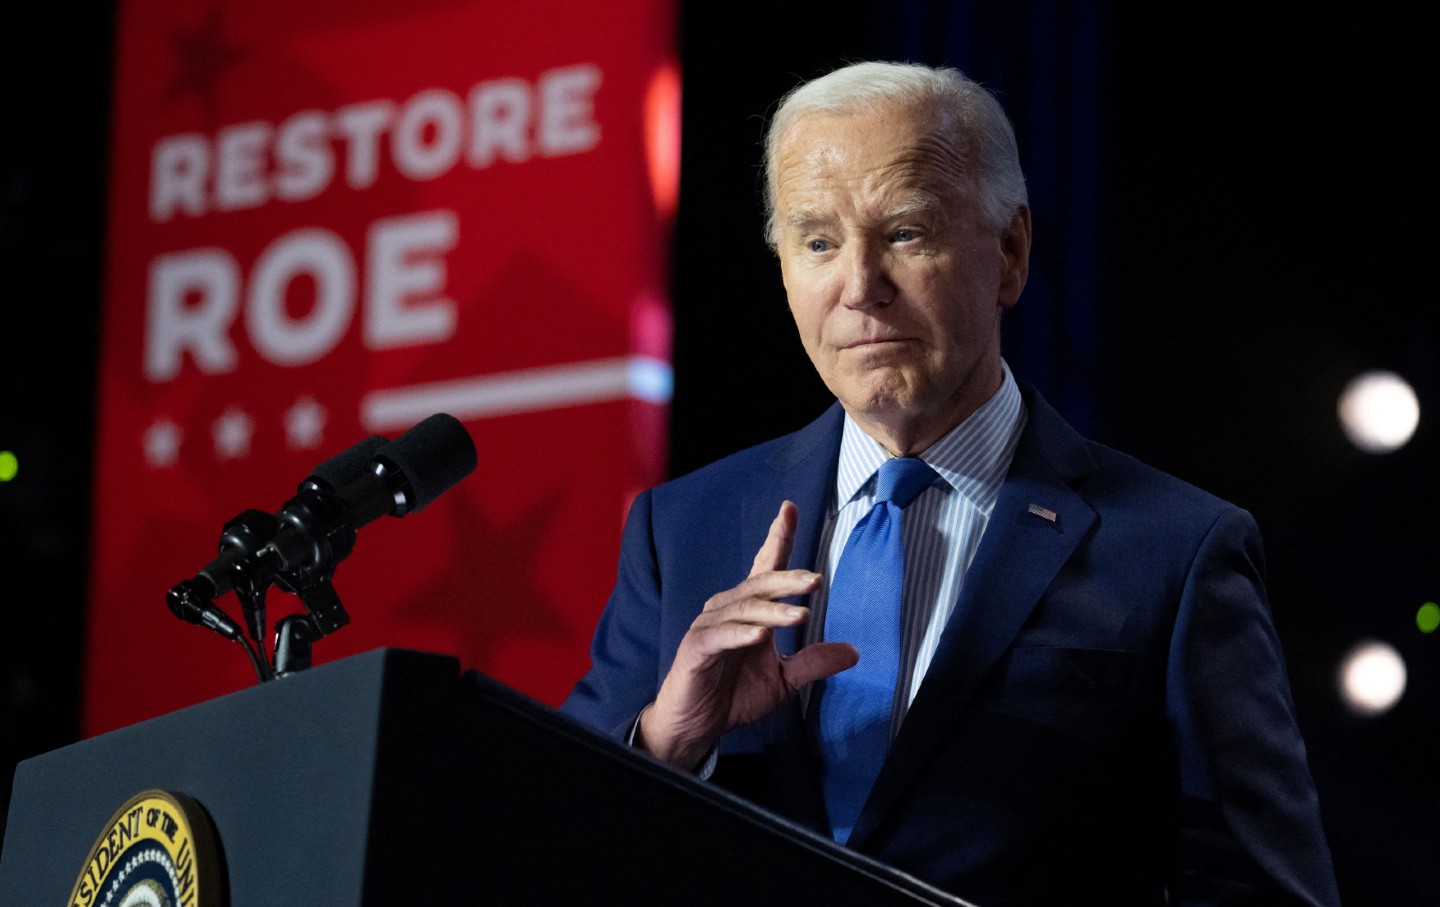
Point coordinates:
[[204, 55], [498, 597]]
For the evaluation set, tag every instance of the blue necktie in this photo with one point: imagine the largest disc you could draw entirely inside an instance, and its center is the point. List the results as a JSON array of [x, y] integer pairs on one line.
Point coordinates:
[[856, 706]]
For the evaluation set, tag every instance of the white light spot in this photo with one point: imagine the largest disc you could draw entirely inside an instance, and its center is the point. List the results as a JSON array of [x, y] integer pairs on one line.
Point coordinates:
[[1372, 678], [1378, 412], [651, 380]]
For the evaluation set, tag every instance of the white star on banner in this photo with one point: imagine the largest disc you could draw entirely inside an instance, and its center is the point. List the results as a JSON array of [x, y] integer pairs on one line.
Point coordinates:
[[162, 443], [232, 432], [304, 424]]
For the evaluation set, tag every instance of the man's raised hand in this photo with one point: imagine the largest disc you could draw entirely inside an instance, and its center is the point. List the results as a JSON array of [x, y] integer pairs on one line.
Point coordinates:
[[727, 671]]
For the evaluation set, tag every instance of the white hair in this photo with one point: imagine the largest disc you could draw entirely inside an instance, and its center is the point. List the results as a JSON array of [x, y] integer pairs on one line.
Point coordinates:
[[980, 135]]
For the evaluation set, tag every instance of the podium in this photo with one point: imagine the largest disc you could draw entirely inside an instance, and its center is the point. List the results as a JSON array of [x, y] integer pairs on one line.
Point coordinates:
[[391, 777]]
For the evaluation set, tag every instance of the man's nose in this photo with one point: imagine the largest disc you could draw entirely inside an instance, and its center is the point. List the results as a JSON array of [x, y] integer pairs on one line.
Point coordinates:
[[867, 279]]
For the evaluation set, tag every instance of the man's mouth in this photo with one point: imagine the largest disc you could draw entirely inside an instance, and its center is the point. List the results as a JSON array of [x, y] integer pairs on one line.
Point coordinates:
[[874, 342]]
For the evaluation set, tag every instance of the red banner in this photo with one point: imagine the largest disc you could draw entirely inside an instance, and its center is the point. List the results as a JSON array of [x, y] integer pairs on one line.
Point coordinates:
[[330, 220]]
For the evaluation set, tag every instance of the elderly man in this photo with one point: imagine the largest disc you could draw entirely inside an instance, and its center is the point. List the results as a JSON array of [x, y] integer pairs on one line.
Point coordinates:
[[972, 644]]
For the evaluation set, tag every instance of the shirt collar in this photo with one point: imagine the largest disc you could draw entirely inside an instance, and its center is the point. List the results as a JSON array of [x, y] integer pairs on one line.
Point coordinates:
[[972, 457]]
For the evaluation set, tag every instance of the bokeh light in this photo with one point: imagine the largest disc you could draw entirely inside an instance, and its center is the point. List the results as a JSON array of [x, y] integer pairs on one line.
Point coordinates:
[[9, 465], [1378, 412], [1428, 617], [1372, 678]]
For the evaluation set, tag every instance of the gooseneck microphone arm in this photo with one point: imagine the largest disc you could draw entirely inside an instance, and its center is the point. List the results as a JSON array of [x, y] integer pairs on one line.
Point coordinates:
[[300, 546]]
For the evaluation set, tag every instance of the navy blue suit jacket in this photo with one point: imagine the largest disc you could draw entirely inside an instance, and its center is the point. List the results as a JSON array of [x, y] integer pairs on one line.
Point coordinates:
[[1107, 719]]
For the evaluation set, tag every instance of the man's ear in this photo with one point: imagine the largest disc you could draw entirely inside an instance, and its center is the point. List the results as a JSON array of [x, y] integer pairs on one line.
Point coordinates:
[[1015, 253]]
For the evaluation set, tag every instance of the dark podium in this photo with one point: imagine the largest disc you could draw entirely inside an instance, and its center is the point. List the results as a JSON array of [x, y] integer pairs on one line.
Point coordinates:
[[392, 778]]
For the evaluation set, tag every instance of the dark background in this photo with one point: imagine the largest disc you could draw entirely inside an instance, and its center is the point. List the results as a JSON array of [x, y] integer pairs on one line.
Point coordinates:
[[1234, 215]]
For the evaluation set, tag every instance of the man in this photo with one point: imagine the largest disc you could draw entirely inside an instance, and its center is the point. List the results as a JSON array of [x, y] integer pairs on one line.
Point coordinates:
[[1088, 703]]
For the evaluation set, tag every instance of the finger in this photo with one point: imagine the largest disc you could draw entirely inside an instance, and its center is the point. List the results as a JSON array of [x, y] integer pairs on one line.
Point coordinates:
[[766, 586], [729, 636], [752, 611], [818, 661], [775, 553]]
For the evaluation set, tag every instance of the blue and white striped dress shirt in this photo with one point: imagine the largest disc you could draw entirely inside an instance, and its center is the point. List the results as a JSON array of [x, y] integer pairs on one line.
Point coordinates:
[[943, 525]]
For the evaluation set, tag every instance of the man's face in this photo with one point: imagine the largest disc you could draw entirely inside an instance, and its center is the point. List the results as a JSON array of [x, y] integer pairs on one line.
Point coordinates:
[[895, 282]]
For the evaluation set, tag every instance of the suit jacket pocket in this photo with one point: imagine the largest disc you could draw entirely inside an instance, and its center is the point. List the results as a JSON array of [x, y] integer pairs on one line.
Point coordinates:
[[1098, 671], [1083, 696]]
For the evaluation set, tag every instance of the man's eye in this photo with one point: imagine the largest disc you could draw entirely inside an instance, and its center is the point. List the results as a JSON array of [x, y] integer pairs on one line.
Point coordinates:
[[818, 245], [905, 235]]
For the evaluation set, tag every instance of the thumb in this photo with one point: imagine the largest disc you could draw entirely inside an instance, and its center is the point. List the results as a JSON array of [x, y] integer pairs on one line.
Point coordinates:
[[818, 661]]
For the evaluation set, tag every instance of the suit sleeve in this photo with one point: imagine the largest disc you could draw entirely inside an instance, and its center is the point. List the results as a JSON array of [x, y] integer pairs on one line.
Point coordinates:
[[1250, 827], [623, 676]]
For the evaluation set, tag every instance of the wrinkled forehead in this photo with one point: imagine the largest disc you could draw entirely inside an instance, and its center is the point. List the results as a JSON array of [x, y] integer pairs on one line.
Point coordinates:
[[883, 151]]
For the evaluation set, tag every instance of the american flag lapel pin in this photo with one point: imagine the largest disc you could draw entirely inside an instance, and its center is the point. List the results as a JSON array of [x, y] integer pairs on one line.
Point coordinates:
[[1044, 513]]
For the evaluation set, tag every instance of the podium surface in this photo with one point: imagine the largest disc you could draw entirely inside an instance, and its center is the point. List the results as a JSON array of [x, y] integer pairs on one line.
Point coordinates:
[[392, 778]]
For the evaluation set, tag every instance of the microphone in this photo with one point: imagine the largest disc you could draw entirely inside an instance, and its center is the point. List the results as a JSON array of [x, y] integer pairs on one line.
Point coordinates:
[[241, 540], [187, 605], [315, 530], [300, 545], [402, 477], [247, 534], [345, 467]]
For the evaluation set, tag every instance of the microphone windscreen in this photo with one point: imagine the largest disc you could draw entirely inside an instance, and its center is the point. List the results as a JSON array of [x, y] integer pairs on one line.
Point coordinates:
[[432, 456], [346, 466]]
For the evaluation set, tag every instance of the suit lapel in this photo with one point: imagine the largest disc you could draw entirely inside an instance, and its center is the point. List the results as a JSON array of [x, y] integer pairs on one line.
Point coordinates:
[[1019, 556]]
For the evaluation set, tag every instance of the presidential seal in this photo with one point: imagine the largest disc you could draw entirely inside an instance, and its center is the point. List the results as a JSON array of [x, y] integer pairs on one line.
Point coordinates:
[[158, 850]]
